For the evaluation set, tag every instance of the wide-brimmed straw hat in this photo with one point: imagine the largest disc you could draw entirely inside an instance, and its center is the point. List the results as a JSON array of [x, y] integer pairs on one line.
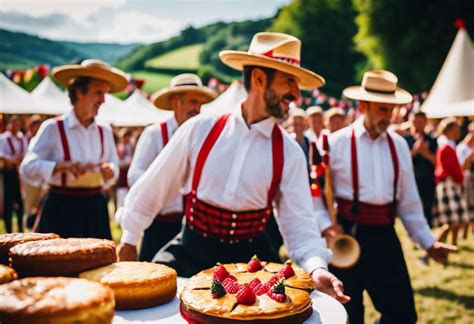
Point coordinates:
[[92, 68], [278, 51], [186, 82], [379, 86]]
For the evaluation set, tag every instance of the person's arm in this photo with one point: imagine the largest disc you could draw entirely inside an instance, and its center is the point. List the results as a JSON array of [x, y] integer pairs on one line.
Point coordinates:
[[149, 194], [110, 169], [145, 152], [37, 167]]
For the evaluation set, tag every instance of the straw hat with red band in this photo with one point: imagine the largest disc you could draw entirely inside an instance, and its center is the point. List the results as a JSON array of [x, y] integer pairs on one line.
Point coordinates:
[[91, 68], [278, 51], [186, 82], [379, 86]]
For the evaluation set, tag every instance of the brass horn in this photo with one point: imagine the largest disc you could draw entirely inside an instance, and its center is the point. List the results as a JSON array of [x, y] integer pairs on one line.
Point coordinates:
[[345, 248]]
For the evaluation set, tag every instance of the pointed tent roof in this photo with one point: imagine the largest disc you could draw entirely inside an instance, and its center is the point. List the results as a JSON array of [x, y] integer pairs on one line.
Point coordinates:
[[139, 111], [51, 100], [453, 91], [227, 101], [14, 99], [110, 109]]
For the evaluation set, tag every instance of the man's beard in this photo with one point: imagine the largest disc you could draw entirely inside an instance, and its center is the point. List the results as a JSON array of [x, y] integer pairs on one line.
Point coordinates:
[[272, 103]]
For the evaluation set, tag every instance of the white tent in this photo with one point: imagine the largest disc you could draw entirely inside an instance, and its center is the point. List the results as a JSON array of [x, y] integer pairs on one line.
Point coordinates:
[[453, 91], [50, 99], [227, 101], [14, 99], [110, 109]]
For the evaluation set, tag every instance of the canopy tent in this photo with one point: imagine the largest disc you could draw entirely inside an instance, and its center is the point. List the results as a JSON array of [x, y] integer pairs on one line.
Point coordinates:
[[453, 91], [227, 101], [50, 99], [137, 110], [14, 99]]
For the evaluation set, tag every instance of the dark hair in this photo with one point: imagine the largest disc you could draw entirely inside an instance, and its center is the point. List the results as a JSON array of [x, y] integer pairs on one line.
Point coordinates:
[[247, 74], [81, 83]]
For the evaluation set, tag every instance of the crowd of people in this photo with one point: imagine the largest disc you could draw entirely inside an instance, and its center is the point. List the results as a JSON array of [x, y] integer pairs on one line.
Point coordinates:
[[195, 190]]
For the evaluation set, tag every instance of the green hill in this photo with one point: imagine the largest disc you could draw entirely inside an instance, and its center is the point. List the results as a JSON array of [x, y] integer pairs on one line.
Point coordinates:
[[21, 51], [186, 58]]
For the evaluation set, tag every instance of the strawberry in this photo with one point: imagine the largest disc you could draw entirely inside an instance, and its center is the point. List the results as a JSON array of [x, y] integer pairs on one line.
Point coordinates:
[[231, 286], [254, 283], [217, 290], [245, 295], [277, 292], [274, 279], [254, 264], [287, 270], [261, 289], [220, 273]]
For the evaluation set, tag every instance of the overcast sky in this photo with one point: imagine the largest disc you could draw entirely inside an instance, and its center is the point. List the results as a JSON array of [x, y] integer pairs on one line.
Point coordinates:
[[124, 21]]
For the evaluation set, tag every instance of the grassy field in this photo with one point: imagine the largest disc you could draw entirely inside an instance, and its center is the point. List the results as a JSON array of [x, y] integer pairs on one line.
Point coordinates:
[[153, 81], [442, 294], [186, 57]]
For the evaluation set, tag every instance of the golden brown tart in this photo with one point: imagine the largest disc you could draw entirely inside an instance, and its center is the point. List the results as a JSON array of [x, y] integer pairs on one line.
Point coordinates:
[[7, 274], [230, 293], [56, 300], [8, 241], [136, 284], [61, 257]]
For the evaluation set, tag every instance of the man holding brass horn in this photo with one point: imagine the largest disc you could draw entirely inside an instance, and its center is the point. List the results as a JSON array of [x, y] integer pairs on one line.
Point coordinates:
[[373, 180]]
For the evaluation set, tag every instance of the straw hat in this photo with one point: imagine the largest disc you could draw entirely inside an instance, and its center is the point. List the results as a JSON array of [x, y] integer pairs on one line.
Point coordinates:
[[314, 110], [379, 86], [186, 82], [297, 112], [278, 51], [92, 68], [334, 111]]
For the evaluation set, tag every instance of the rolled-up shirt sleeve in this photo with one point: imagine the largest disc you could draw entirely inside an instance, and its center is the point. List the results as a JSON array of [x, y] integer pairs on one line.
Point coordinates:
[[298, 219], [147, 197], [410, 208], [37, 167]]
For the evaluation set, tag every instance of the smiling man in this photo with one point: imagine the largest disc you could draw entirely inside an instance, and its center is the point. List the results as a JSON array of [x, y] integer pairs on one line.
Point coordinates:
[[75, 155], [234, 169]]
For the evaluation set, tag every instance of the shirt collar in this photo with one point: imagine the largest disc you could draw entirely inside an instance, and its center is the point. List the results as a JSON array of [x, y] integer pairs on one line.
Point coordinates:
[[264, 126], [71, 120], [172, 124], [443, 140]]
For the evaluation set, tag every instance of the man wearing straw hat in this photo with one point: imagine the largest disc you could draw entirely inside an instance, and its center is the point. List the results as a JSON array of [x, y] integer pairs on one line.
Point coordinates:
[[184, 97], [234, 168], [373, 179], [75, 155]]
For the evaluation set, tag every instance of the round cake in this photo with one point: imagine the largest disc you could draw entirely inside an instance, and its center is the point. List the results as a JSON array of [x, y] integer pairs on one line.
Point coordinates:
[[7, 274], [254, 292], [56, 300], [8, 241], [136, 284], [61, 257]]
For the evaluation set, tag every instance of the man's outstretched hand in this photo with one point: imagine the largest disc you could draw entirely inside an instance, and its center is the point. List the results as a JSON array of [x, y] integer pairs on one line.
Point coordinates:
[[329, 284]]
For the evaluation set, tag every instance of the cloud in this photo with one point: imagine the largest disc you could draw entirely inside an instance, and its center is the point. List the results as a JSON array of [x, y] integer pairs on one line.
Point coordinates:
[[111, 26], [38, 8]]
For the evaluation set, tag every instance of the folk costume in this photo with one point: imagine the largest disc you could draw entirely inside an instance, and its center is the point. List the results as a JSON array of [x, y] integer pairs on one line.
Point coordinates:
[[74, 207], [374, 182], [168, 222], [233, 174]]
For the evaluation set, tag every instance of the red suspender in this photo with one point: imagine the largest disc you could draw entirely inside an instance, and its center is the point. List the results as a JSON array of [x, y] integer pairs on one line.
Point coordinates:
[[206, 148], [277, 155], [164, 133], [10, 145], [278, 159], [65, 145], [355, 172], [101, 134]]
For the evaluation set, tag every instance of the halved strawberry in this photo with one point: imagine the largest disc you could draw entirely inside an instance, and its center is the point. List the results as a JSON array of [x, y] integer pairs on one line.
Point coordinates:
[[254, 283], [277, 292], [220, 273], [231, 286], [254, 264], [261, 289], [245, 295]]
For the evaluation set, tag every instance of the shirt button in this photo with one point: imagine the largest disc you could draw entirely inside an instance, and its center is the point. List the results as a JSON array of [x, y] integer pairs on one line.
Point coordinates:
[[231, 232], [191, 226], [260, 228], [250, 240], [234, 216], [231, 242], [191, 210], [221, 240], [193, 192], [194, 200], [191, 218], [205, 234], [233, 224], [269, 211], [236, 241], [264, 220]]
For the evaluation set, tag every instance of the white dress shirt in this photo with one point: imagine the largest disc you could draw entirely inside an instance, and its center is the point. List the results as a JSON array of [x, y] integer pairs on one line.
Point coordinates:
[[236, 176], [148, 147], [376, 176], [45, 150], [311, 135], [19, 142]]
